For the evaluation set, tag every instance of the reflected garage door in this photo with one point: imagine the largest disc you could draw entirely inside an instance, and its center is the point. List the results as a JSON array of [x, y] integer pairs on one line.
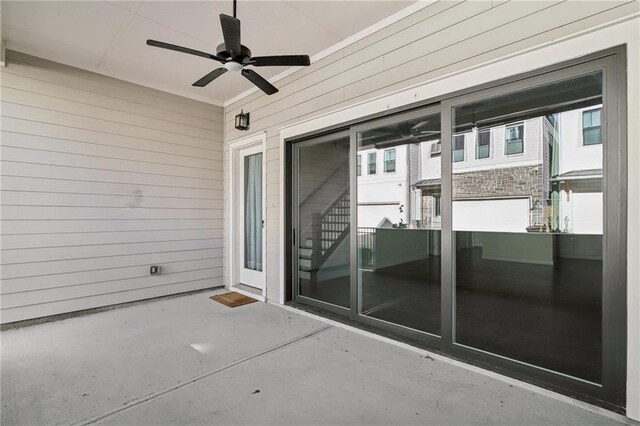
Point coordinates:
[[493, 215]]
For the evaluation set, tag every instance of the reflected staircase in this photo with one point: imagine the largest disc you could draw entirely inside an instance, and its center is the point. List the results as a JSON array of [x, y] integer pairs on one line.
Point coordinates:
[[328, 229]]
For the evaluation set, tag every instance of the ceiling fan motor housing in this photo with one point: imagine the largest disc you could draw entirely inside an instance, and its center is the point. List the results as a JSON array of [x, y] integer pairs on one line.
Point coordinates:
[[224, 55]]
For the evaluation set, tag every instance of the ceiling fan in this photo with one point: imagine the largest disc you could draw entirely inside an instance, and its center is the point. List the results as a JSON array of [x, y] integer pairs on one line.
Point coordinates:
[[235, 57], [402, 133]]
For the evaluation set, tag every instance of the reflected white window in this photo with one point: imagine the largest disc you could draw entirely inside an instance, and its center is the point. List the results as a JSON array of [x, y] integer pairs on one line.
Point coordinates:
[[371, 162], [389, 160], [592, 127], [514, 139], [359, 165], [483, 148], [458, 148], [436, 149]]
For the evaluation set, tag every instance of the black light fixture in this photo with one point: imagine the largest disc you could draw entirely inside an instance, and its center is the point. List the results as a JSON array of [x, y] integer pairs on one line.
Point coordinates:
[[242, 121]]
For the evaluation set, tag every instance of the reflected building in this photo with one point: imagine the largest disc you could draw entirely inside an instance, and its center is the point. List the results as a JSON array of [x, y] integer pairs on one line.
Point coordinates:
[[542, 174]]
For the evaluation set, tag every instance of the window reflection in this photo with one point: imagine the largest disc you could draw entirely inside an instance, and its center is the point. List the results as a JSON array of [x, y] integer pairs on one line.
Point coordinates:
[[484, 144], [515, 139], [372, 156], [592, 126], [389, 160]]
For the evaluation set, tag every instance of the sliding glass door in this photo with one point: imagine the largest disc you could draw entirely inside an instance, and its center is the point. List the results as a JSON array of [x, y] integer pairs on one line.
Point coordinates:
[[322, 221], [537, 228], [489, 225], [398, 220], [528, 226]]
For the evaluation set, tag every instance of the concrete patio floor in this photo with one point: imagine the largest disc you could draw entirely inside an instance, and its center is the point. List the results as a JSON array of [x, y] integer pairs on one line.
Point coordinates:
[[189, 360]]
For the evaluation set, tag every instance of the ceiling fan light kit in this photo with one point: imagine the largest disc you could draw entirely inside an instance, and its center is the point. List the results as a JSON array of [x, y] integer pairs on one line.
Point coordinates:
[[235, 57], [233, 66]]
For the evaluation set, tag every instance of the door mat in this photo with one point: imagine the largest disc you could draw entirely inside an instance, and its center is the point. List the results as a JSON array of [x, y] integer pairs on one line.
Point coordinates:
[[233, 299]]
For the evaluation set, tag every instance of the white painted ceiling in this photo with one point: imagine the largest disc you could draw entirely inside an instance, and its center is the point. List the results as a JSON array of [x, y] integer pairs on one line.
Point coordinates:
[[109, 37]]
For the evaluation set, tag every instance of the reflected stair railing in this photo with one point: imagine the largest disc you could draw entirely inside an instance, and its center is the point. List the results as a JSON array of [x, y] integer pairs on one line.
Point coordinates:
[[328, 230]]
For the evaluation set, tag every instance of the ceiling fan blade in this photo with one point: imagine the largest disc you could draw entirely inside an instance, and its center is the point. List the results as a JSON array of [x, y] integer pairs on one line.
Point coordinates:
[[256, 79], [164, 45], [231, 34], [420, 125], [209, 77], [285, 60]]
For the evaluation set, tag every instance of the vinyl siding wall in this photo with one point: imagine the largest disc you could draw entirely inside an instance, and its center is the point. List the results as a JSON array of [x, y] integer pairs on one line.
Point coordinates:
[[100, 180], [440, 39]]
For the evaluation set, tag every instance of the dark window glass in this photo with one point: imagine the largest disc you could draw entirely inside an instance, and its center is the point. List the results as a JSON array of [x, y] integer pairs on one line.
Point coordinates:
[[359, 165], [323, 252], [552, 119], [399, 227], [371, 160], [484, 144], [514, 139], [437, 205], [528, 232], [390, 160], [592, 127], [458, 148], [436, 149]]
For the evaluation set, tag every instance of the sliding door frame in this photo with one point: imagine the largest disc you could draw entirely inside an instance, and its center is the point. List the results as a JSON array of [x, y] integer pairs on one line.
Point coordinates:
[[612, 392]]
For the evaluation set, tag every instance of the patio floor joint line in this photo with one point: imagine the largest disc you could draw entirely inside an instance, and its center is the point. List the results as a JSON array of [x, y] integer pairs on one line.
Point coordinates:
[[155, 395]]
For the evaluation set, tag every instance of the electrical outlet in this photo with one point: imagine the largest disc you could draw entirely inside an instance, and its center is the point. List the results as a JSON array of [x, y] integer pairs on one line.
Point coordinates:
[[154, 270]]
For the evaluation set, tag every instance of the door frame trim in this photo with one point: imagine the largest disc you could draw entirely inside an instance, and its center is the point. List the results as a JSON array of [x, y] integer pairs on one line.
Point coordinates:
[[255, 139]]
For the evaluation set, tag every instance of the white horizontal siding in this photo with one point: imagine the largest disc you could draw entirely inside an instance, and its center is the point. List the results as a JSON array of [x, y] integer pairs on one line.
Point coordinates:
[[100, 179], [71, 186], [442, 38], [103, 174], [93, 138], [99, 225], [96, 84], [102, 263], [60, 199], [79, 278], [109, 297]]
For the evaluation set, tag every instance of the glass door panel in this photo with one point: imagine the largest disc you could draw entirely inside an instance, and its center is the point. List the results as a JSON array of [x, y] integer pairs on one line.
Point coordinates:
[[253, 222], [399, 211], [527, 216], [321, 181]]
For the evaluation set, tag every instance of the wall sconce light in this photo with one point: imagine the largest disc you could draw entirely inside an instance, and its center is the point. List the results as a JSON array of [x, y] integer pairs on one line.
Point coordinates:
[[242, 121]]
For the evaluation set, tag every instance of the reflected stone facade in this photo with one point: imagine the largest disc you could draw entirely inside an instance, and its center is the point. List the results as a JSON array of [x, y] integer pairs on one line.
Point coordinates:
[[524, 181], [511, 182]]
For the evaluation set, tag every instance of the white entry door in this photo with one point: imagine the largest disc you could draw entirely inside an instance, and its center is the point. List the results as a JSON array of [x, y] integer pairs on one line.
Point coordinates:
[[249, 217]]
